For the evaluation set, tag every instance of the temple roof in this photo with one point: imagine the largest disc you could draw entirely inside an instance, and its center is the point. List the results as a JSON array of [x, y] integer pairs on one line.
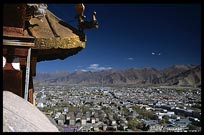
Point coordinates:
[[53, 38], [54, 33]]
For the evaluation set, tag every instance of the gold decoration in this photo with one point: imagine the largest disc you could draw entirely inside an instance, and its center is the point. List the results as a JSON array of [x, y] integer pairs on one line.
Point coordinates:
[[58, 42]]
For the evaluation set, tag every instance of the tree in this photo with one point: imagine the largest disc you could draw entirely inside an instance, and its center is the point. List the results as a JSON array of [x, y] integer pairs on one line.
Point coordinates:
[[84, 109], [161, 121], [143, 113], [192, 127], [173, 116], [198, 106], [39, 95], [115, 116], [132, 124], [146, 128], [140, 125], [125, 111], [166, 118]]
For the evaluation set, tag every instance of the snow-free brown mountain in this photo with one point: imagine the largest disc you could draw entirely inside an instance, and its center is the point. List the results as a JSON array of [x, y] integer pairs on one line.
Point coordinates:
[[181, 75], [50, 75]]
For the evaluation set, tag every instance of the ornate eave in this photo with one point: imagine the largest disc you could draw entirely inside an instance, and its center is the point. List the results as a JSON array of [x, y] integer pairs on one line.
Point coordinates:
[[52, 37], [54, 33]]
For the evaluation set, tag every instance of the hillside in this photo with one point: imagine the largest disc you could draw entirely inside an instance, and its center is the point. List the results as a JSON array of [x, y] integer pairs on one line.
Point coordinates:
[[49, 75], [182, 75]]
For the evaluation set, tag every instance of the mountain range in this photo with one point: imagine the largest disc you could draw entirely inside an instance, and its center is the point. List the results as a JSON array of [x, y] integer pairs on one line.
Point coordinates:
[[176, 75]]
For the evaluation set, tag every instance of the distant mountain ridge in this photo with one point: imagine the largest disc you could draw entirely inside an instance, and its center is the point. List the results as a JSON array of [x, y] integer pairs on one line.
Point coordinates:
[[42, 76], [180, 75]]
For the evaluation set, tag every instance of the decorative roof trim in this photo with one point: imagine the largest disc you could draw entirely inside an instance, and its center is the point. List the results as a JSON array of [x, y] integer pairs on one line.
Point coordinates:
[[58, 42]]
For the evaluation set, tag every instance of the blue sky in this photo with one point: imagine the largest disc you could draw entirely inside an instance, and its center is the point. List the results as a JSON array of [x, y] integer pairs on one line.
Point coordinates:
[[133, 36]]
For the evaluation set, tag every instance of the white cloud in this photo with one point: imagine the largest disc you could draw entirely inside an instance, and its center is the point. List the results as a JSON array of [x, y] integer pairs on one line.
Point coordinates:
[[156, 53], [104, 68], [84, 70], [130, 58], [93, 66], [96, 67]]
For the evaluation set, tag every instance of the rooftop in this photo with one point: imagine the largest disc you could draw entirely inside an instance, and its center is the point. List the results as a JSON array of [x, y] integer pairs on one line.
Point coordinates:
[[53, 38]]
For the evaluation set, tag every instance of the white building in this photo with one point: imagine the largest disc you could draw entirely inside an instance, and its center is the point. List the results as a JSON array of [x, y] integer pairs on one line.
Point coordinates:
[[83, 121], [40, 105], [93, 120]]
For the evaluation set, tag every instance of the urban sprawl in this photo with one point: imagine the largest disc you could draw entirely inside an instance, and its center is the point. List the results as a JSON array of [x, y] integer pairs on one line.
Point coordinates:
[[121, 109]]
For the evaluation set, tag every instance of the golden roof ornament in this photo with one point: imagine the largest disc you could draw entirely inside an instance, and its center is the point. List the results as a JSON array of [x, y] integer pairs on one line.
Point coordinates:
[[84, 24]]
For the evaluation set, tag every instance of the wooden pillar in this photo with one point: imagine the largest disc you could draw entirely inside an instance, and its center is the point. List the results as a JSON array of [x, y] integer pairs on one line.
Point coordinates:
[[33, 65], [30, 90], [32, 73], [14, 71]]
